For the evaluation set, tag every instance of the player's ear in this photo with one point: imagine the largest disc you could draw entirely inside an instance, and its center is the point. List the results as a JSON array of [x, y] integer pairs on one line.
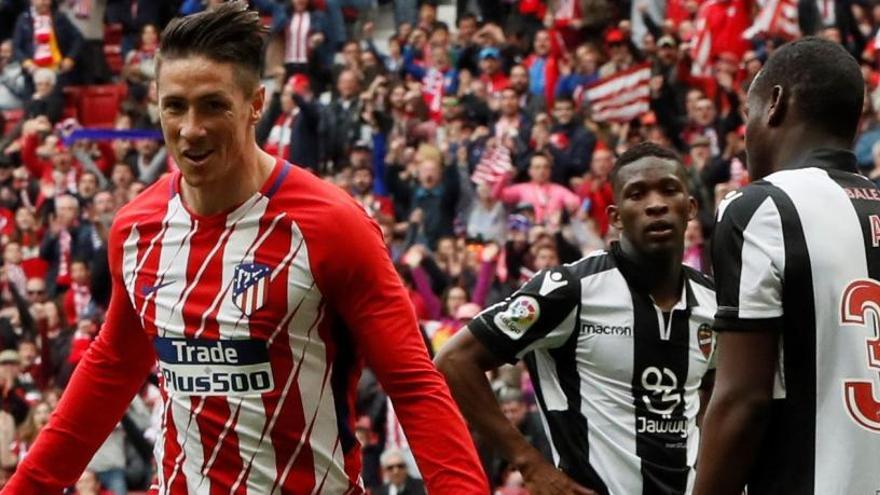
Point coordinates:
[[257, 103], [614, 217], [692, 208], [778, 106]]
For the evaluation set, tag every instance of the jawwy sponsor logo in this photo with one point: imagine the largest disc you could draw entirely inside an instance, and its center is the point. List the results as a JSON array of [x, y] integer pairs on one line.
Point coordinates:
[[203, 367], [520, 314]]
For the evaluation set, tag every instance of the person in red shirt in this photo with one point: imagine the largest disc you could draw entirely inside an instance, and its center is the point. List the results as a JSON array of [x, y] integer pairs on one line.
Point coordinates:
[[492, 74], [595, 191], [262, 291]]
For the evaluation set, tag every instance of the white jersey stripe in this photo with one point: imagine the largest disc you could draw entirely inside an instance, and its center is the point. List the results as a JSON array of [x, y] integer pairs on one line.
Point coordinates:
[[191, 456], [762, 252], [173, 258], [611, 433], [129, 261], [159, 449]]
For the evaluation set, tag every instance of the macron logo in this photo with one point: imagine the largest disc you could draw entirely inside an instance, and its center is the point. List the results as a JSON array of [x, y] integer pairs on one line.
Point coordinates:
[[552, 281], [149, 289]]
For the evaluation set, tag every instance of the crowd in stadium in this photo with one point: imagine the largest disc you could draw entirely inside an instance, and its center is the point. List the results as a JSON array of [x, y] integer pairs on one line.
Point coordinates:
[[481, 147]]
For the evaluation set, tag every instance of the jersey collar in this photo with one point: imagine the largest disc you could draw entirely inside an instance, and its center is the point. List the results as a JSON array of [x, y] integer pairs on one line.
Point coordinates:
[[829, 158], [635, 278]]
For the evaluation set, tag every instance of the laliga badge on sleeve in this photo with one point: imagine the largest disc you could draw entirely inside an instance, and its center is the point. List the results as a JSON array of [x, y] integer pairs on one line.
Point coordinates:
[[519, 316]]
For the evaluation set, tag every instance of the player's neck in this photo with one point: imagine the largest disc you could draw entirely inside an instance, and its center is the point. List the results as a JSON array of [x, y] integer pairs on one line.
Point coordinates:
[[802, 142], [222, 195], [661, 276]]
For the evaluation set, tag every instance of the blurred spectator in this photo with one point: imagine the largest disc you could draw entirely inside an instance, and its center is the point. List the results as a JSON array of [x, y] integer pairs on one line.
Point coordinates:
[[45, 38], [13, 86], [29, 429], [397, 479], [343, 117], [46, 99], [293, 118], [68, 239], [570, 143], [13, 394], [490, 71], [543, 68], [87, 16], [88, 484], [548, 200], [308, 39], [140, 63]]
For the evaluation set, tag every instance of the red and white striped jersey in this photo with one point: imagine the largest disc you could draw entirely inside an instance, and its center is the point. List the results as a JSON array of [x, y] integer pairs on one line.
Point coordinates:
[[261, 319]]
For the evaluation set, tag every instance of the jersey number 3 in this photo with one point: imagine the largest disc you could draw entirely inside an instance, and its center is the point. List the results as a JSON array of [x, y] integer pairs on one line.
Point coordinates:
[[859, 298]]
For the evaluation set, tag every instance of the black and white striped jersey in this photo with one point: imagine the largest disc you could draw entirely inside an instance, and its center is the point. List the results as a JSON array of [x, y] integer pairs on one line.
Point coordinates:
[[799, 253], [616, 379]]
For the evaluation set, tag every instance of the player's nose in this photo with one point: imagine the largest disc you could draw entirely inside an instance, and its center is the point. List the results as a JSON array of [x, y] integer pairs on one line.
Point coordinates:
[[191, 126]]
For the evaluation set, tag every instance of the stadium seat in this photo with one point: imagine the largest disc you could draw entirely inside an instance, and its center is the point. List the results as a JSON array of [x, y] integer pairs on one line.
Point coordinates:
[[99, 104], [113, 47], [72, 96], [12, 118]]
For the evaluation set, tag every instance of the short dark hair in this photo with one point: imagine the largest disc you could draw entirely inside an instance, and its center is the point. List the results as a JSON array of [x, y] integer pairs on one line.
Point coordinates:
[[824, 79], [564, 99], [642, 150], [229, 33], [467, 16]]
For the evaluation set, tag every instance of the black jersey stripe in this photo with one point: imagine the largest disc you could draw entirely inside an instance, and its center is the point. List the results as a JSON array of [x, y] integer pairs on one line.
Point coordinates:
[[660, 368]]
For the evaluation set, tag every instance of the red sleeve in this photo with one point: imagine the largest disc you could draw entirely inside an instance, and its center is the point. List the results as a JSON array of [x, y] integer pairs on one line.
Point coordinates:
[[109, 375], [367, 293], [108, 157], [69, 308], [29, 156]]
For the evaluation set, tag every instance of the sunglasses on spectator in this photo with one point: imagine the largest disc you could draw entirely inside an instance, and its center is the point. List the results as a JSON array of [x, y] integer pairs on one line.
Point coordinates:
[[36, 292], [392, 467]]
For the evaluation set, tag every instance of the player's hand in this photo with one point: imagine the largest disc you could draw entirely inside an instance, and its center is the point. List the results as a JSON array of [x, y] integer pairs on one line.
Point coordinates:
[[543, 479]]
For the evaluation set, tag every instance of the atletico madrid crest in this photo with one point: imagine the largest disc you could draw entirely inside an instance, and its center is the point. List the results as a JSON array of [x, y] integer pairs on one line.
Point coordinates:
[[250, 286]]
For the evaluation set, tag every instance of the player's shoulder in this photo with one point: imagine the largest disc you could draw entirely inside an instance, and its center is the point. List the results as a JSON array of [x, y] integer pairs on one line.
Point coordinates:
[[301, 187], [318, 205], [150, 205], [699, 278], [593, 263], [740, 205]]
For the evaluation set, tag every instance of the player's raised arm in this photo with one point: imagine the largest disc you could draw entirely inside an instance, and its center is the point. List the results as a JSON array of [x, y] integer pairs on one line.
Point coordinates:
[[99, 392], [367, 292]]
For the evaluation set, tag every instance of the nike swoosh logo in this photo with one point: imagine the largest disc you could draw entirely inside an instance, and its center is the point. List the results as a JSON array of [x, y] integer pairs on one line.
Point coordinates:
[[552, 281], [149, 289]]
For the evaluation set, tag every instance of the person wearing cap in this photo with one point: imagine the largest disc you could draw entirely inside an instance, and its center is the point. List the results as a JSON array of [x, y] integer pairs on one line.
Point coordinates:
[[289, 128], [491, 72], [620, 53]]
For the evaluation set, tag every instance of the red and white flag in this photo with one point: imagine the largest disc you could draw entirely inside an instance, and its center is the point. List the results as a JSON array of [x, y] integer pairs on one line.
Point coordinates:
[[701, 45], [777, 18], [494, 165], [622, 96]]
